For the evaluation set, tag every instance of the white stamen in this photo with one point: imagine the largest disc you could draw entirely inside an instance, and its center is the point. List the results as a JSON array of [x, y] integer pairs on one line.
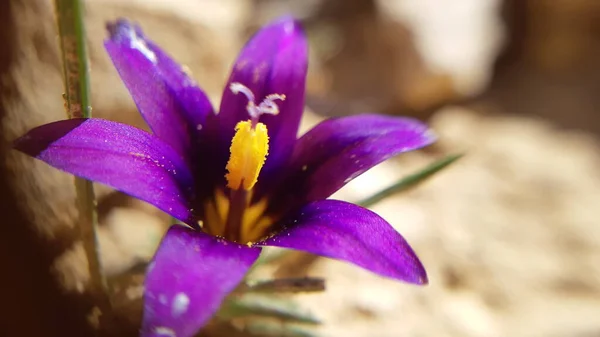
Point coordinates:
[[236, 88], [267, 106]]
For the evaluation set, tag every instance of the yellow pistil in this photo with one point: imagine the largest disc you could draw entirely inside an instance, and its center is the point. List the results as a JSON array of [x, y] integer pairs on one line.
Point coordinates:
[[249, 149]]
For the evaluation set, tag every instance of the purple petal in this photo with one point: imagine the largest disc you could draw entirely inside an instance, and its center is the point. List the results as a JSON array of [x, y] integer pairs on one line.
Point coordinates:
[[169, 100], [274, 61], [126, 158], [348, 232], [188, 279], [339, 150]]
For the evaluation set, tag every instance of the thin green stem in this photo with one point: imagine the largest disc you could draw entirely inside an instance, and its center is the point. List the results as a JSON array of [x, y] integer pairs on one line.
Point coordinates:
[[72, 42], [410, 180], [69, 15], [285, 285]]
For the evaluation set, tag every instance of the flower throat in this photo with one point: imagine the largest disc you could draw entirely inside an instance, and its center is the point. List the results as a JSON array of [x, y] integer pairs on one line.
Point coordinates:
[[232, 216]]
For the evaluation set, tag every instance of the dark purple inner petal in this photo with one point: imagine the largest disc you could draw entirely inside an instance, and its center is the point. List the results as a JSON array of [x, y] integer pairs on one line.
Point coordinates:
[[274, 61], [338, 150], [188, 279], [348, 232]]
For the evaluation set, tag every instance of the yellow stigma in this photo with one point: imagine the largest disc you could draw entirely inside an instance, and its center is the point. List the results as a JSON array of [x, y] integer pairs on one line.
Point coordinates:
[[249, 149]]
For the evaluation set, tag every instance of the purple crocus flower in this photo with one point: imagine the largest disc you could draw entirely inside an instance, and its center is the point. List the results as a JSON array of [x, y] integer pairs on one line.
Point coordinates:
[[240, 179]]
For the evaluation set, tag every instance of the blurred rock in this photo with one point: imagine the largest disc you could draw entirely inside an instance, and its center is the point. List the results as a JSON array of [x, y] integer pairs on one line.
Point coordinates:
[[509, 236], [394, 56], [126, 238], [550, 66], [459, 38], [136, 233], [559, 34], [33, 97], [204, 50], [225, 16]]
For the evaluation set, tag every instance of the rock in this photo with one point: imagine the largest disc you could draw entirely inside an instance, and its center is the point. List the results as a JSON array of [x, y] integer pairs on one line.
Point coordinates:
[[461, 39], [508, 235]]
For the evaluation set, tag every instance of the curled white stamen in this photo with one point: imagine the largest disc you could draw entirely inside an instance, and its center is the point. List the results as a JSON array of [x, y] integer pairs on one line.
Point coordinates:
[[237, 87], [267, 106]]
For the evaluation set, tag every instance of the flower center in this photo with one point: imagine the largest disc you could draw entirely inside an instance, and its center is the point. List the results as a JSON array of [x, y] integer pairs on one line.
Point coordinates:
[[232, 216]]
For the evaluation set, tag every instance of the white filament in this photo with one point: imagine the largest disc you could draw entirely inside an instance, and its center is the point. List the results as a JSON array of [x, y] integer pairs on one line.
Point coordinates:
[[267, 106]]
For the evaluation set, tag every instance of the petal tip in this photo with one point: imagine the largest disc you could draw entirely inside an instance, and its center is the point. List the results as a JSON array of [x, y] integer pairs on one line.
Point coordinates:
[[420, 129], [285, 28], [126, 34], [22, 143], [38, 139], [28, 146], [289, 25], [430, 136], [122, 29], [418, 276], [422, 278]]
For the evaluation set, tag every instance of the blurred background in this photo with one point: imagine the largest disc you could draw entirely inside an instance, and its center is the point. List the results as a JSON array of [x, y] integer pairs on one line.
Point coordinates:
[[510, 234]]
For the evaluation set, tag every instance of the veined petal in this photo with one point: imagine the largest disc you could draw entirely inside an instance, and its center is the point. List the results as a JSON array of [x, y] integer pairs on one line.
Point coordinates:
[[338, 150], [348, 232], [274, 61], [169, 100], [121, 156], [187, 280]]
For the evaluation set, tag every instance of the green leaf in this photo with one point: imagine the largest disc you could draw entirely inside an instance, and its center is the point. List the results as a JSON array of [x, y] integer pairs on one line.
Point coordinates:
[[410, 180], [286, 285], [265, 328], [266, 307]]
